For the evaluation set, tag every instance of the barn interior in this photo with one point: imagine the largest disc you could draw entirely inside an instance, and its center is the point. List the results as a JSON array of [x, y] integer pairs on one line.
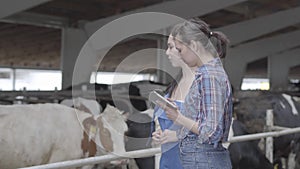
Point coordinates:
[[51, 50]]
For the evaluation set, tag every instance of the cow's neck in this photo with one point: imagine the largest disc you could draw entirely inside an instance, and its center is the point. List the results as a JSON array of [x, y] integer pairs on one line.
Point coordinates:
[[95, 132], [104, 136], [88, 146]]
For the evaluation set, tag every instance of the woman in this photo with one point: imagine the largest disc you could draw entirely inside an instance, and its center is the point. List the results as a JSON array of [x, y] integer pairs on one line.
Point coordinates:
[[177, 90], [206, 114]]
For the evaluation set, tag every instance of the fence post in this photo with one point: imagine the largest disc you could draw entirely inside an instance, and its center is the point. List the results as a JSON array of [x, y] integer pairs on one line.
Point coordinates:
[[269, 140]]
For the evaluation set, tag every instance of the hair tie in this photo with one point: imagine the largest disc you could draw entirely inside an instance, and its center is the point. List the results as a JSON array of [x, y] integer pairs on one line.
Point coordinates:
[[210, 34]]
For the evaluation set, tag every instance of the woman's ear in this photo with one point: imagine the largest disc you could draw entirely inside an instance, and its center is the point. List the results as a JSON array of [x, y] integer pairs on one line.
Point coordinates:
[[193, 46], [197, 47]]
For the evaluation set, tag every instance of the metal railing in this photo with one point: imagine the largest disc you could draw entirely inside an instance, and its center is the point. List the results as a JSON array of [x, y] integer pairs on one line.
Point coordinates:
[[152, 151]]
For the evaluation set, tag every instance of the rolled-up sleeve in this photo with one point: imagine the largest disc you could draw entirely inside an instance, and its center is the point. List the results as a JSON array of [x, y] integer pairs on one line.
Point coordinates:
[[211, 114]]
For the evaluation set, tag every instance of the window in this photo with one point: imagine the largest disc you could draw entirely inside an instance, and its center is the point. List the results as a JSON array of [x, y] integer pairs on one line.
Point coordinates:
[[115, 78], [31, 79], [255, 84], [6, 79]]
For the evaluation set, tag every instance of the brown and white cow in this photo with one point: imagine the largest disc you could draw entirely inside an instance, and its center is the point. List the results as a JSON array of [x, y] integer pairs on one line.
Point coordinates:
[[87, 105], [46, 133]]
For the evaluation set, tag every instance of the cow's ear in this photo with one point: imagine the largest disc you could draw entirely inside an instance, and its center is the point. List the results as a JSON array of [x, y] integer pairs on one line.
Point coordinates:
[[125, 115]]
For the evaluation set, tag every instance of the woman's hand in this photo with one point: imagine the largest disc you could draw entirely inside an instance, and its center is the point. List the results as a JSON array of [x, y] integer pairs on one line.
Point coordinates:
[[179, 119], [173, 114], [156, 136], [166, 136]]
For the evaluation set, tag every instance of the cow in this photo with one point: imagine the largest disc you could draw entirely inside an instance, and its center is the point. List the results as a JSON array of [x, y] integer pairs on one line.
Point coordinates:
[[297, 158], [87, 105], [251, 111], [246, 155], [138, 136], [46, 133], [125, 96]]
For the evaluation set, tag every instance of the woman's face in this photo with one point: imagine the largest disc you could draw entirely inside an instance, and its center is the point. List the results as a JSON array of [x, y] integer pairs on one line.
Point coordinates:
[[187, 53], [173, 54]]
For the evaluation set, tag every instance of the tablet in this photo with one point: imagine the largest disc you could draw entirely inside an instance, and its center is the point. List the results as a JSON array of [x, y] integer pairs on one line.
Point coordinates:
[[155, 98]]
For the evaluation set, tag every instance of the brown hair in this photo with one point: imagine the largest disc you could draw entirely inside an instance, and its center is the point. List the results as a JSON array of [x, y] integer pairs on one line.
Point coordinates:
[[195, 29]]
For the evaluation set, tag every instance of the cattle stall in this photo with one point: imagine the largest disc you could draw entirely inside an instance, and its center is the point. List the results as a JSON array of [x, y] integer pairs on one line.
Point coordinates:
[[28, 96], [281, 131], [149, 152]]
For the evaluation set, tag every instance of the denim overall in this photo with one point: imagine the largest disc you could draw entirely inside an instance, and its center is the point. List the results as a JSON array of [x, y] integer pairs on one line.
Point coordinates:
[[170, 158], [195, 155]]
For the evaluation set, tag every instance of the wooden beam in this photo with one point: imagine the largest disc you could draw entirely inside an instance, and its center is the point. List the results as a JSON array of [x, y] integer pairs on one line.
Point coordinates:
[[184, 9], [279, 66], [9, 7], [29, 18], [237, 58], [250, 29]]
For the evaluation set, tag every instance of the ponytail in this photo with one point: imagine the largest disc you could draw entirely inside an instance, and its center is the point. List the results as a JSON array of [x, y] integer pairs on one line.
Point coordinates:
[[220, 41]]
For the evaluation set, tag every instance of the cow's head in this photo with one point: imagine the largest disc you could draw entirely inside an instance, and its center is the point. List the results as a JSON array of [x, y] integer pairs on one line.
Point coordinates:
[[82, 104], [104, 134], [112, 127]]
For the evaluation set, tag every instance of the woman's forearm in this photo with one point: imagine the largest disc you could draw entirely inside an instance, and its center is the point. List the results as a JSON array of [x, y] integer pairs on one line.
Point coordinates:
[[188, 123]]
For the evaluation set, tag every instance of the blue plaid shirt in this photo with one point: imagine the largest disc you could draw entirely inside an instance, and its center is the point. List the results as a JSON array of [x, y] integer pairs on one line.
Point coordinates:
[[209, 102]]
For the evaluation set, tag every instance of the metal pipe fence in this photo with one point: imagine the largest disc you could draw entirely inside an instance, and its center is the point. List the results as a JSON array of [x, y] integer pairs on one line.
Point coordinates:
[[152, 151]]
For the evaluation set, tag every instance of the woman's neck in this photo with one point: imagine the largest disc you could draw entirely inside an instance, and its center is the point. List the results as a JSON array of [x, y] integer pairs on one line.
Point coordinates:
[[181, 90], [188, 72], [205, 59]]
